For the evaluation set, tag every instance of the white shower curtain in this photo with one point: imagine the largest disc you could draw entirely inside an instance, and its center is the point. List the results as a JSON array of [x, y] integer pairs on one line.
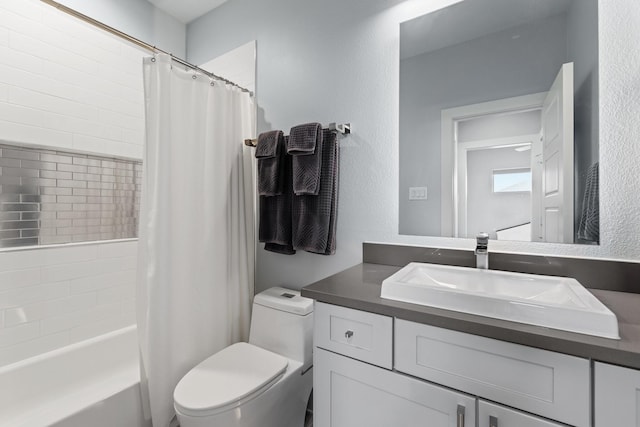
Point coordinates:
[[196, 247]]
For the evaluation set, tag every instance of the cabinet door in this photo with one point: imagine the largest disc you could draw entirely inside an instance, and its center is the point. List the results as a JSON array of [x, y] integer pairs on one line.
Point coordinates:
[[349, 393], [617, 396], [492, 415]]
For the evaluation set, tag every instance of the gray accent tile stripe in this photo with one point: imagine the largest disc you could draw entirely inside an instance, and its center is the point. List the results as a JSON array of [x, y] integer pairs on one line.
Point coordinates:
[[52, 197]]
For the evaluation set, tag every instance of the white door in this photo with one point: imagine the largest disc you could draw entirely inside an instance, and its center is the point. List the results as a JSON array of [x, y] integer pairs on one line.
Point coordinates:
[[349, 393], [617, 396], [536, 190], [557, 157]]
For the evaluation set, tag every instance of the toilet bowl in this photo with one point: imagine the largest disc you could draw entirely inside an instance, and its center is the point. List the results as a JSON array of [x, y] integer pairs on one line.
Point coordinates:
[[263, 383]]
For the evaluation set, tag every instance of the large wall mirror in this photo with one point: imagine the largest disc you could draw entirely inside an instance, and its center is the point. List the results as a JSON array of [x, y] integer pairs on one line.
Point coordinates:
[[499, 121]]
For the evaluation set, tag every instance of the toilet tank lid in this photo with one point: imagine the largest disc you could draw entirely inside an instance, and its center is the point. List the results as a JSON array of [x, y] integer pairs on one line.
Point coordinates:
[[285, 300]]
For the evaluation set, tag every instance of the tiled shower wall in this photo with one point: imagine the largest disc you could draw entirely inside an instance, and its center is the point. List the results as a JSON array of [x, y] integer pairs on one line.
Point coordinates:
[[51, 197], [68, 87]]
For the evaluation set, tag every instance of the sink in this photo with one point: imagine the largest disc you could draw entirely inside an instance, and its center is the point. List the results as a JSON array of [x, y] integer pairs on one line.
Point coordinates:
[[553, 302]]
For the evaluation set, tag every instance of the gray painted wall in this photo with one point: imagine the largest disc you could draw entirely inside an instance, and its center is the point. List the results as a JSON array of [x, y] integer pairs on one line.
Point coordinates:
[[138, 18], [491, 211], [338, 61], [485, 69]]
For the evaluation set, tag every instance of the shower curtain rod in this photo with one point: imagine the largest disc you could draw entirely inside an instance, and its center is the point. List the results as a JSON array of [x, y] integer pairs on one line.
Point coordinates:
[[138, 42]]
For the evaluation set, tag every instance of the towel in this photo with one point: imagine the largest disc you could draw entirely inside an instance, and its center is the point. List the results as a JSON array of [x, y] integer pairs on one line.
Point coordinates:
[[589, 228], [275, 215], [314, 217], [270, 152], [305, 145]]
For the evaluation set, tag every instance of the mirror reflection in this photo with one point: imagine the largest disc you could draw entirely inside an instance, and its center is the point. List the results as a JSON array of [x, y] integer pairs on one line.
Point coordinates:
[[499, 121]]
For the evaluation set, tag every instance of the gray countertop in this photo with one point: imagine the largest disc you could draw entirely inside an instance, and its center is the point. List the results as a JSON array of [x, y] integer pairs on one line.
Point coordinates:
[[359, 288]]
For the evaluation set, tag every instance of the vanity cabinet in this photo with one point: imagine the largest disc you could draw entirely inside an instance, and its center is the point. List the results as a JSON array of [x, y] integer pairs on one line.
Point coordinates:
[[373, 370], [617, 396], [350, 393], [542, 382]]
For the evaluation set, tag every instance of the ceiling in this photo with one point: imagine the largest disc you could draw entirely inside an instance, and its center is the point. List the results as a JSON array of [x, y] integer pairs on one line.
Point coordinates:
[[471, 19], [186, 10]]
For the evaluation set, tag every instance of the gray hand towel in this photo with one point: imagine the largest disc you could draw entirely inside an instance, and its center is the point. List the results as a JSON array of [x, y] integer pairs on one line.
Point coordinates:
[[305, 145], [275, 216], [589, 228], [270, 152], [314, 217]]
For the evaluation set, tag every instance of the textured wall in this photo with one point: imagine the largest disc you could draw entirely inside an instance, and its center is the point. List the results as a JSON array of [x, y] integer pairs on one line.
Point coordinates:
[[338, 61]]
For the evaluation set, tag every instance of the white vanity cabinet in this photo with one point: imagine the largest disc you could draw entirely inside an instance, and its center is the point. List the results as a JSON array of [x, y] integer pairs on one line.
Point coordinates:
[[350, 393], [373, 370], [492, 415], [617, 396]]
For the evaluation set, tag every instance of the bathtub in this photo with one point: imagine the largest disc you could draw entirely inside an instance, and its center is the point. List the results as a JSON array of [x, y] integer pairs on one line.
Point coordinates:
[[92, 383]]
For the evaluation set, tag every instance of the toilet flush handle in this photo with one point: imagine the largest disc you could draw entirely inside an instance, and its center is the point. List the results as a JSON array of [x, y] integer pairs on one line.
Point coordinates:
[[348, 334]]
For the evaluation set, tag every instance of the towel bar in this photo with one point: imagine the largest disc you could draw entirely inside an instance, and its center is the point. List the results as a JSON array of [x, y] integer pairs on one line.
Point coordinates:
[[344, 129]]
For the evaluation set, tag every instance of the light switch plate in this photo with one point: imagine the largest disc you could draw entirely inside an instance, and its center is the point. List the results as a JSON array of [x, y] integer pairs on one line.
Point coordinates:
[[417, 193]]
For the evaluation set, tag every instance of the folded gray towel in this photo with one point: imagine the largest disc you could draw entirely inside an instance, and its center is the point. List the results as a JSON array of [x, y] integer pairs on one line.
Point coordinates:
[[314, 217], [589, 228], [275, 215], [270, 152], [305, 145]]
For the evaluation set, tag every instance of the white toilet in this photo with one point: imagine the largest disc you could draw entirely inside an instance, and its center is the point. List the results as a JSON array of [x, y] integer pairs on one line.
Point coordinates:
[[263, 383]]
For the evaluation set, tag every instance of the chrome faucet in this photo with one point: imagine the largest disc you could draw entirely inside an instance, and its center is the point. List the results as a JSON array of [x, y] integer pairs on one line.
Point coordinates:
[[482, 251]]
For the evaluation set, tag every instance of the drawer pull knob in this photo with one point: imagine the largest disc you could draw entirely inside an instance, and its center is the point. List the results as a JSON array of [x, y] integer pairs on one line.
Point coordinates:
[[348, 334], [493, 422], [461, 410]]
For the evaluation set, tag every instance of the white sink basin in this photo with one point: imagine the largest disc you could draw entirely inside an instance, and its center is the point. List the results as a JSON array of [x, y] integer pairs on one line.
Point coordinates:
[[554, 302]]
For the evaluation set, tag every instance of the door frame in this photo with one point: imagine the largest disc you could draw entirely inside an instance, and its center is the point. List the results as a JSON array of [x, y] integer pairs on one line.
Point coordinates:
[[461, 165], [449, 148]]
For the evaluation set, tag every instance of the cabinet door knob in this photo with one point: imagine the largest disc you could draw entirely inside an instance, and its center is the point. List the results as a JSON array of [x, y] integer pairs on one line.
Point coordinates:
[[460, 418], [493, 421], [348, 334]]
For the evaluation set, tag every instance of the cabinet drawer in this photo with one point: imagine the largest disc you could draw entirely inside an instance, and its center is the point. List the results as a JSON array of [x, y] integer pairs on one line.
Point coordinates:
[[358, 334], [617, 396], [492, 415], [549, 384]]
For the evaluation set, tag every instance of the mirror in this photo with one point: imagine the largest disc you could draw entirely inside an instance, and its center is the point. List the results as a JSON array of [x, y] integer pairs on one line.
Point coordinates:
[[499, 121]]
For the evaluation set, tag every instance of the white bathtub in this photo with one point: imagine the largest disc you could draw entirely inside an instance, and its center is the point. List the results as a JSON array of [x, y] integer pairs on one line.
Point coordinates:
[[93, 383]]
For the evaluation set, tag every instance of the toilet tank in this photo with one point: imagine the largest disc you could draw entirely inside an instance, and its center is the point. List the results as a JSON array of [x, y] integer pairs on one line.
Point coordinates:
[[282, 322]]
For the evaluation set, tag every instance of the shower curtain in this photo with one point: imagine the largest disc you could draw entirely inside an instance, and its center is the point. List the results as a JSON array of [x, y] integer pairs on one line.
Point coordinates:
[[196, 247]]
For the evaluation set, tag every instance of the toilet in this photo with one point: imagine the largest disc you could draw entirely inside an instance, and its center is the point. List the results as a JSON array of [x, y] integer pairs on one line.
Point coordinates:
[[263, 383]]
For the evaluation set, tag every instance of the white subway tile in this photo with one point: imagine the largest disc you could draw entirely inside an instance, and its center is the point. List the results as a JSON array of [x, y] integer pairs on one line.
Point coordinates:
[[15, 21], [27, 9], [31, 294], [4, 92], [74, 125], [117, 294], [58, 273], [4, 37], [34, 347], [18, 334], [45, 50], [124, 120], [108, 147], [118, 249], [93, 329], [133, 136], [108, 280], [13, 279], [64, 322], [46, 102], [1, 319], [41, 310], [16, 59], [17, 132], [18, 114]]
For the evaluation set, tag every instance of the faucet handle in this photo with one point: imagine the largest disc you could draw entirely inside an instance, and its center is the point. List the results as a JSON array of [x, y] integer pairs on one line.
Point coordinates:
[[482, 240]]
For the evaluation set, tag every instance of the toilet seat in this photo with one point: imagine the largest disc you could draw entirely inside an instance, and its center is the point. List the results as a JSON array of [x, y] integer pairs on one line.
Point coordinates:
[[227, 379]]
